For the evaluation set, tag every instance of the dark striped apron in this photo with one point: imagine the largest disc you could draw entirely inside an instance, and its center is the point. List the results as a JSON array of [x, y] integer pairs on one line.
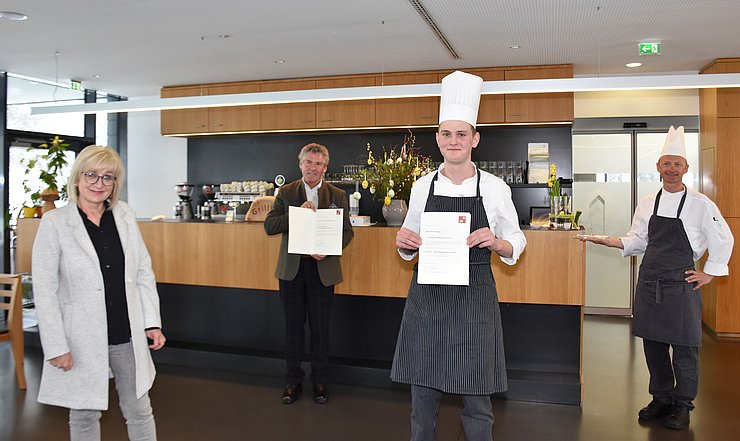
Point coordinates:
[[451, 337], [667, 309]]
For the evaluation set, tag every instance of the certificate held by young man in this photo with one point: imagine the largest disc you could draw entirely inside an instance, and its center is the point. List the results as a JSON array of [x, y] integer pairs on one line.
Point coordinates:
[[444, 253], [315, 232]]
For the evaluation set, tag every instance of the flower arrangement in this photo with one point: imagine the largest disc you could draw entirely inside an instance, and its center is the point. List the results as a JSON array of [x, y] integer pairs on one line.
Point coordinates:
[[553, 183], [393, 176]]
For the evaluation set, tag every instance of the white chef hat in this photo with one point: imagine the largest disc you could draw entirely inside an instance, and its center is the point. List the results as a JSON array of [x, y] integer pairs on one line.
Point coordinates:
[[460, 97], [674, 143]]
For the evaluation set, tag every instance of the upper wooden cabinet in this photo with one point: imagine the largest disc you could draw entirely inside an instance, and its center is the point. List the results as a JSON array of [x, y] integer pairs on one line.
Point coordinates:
[[210, 120], [237, 118], [539, 107], [491, 110], [340, 114], [494, 109], [186, 120], [407, 111], [287, 116]]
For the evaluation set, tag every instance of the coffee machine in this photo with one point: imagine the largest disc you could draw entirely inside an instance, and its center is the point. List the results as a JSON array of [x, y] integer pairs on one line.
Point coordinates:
[[210, 207], [184, 207]]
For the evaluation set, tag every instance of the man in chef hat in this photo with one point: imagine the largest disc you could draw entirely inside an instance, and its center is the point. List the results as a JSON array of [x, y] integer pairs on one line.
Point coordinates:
[[441, 347], [674, 228]]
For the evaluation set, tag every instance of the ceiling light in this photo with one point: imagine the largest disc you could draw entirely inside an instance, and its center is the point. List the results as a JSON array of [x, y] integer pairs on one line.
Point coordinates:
[[95, 75], [278, 61], [633, 64], [15, 16], [554, 85], [514, 46]]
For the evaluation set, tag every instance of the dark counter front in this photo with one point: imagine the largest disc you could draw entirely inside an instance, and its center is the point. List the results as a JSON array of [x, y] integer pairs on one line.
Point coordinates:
[[221, 309]]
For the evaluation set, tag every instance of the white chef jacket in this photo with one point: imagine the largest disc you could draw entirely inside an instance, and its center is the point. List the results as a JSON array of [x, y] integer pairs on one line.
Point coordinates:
[[502, 216], [704, 225]]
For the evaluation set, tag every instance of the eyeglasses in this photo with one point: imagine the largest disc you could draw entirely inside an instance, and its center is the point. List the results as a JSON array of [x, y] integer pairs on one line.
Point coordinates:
[[92, 178]]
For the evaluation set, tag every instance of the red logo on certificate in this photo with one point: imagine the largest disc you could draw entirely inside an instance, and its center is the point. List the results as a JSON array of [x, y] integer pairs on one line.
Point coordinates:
[[462, 219], [339, 212]]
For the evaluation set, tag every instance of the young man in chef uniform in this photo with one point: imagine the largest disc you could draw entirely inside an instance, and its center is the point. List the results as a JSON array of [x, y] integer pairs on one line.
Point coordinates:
[[451, 339]]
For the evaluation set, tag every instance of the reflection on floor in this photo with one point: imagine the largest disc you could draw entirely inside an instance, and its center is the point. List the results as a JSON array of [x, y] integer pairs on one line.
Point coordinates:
[[209, 405]]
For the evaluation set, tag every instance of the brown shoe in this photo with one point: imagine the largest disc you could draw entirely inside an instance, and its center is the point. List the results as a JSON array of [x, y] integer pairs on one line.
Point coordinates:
[[320, 395], [291, 392]]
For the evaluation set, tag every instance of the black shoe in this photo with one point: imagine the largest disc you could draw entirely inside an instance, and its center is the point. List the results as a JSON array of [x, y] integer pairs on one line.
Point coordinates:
[[678, 419], [655, 410], [319, 394], [291, 392]]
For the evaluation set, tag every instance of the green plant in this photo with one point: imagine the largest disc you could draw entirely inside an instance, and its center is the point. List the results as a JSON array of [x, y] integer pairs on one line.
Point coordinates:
[[394, 175], [49, 167]]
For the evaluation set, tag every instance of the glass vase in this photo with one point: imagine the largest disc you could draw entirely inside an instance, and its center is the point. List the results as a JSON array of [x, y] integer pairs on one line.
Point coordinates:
[[395, 212]]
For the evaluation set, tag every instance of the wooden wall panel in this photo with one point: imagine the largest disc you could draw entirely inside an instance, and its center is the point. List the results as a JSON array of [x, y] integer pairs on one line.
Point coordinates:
[[359, 113], [726, 288], [727, 179]]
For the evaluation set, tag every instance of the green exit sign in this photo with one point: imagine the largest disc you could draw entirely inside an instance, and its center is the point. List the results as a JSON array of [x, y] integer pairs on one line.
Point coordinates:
[[649, 48], [75, 85]]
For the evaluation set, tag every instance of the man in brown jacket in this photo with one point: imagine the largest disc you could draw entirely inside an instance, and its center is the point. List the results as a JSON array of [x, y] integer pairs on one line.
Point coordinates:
[[307, 281]]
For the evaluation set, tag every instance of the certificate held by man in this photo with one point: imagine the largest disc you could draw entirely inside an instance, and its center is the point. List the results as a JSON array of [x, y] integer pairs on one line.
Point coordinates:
[[444, 254], [315, 232]]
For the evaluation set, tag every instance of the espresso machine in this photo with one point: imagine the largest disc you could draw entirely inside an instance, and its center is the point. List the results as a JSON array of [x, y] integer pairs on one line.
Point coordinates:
[[184, 207]]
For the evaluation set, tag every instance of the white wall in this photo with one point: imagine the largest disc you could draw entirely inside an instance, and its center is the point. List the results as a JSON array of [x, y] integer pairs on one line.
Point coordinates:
[[155, 165], [630, 103]]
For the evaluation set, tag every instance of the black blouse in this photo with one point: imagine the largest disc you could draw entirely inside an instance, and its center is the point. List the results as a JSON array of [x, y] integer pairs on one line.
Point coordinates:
[[107, 245]]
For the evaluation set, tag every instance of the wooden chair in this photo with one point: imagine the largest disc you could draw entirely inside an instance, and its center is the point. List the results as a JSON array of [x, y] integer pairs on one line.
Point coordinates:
[[11, 292]]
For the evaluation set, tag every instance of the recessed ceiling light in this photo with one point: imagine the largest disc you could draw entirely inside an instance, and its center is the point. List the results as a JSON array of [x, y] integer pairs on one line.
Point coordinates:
[[633, 64], [514, 46], [278, 61], [95, 75], [16, 16]]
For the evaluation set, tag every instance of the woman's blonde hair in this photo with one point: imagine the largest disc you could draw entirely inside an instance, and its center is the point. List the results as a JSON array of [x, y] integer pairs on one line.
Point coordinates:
[[97, 157]]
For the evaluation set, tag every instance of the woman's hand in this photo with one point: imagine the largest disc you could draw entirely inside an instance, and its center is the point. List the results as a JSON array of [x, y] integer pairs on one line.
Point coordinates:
[[63, 362], [157, 338]]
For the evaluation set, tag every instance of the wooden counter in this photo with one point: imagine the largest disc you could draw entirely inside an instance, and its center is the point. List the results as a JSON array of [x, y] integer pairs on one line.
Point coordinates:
[[550, 271], [220, 310]]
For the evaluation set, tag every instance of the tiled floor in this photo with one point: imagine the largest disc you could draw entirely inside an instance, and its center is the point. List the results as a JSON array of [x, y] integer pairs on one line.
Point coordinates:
[[208, 405]]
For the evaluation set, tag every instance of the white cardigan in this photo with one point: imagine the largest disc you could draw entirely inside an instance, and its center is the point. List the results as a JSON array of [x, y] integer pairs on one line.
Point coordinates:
[[70, 303]]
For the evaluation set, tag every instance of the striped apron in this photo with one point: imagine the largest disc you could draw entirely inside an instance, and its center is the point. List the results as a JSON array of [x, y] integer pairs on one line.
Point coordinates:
[[451, 337], [667, 309]]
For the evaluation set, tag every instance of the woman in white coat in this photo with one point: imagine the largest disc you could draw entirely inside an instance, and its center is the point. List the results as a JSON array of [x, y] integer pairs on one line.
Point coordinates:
[[97, 302]]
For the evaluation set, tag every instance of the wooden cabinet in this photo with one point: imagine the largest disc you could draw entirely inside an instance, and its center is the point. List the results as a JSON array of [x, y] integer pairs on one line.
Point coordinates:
[[407, 111], [341, 114], [539, 107], [287, 116], [719, 117], [491, 110], [184, 121], [237, 118], [414, 112], [213, 119]]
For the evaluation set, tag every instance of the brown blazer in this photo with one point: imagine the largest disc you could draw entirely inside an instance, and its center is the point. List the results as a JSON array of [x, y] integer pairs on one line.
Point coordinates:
[[294, 194]]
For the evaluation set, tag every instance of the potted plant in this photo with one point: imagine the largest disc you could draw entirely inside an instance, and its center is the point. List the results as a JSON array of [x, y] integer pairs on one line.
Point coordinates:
[[391, 177], [48, 169]]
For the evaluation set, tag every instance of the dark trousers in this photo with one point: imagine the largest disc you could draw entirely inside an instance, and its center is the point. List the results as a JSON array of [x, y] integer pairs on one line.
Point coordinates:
[[476, 416], [306, 296], [676, 380]]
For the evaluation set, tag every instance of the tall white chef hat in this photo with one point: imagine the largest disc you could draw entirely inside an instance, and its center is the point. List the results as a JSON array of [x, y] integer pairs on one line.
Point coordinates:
[[674, 143], [460, 97]]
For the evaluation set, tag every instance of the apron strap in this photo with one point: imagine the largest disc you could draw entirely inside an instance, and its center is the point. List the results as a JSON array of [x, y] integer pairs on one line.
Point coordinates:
[[680, 205]]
